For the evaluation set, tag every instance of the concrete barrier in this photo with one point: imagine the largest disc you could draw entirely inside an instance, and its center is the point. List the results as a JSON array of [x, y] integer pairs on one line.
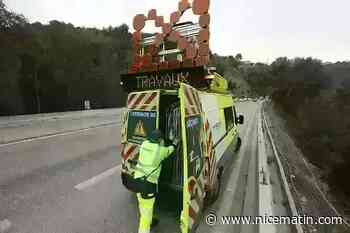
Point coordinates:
[[24, 127]]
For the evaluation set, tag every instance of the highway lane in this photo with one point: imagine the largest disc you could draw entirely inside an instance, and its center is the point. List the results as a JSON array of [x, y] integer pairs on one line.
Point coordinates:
[[239, 195], [71, 183]]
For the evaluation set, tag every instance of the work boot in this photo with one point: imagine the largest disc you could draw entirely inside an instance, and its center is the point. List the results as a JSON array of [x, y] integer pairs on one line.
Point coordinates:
[[154, 223]]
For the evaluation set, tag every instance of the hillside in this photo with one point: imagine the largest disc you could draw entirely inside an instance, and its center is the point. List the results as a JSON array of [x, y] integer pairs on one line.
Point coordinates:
[[232, 68], [339, 73], [55, 67]]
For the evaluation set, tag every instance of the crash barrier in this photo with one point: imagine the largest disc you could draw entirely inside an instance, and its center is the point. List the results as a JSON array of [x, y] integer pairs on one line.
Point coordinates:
[[345, 220], [291, 202], [17, 128]]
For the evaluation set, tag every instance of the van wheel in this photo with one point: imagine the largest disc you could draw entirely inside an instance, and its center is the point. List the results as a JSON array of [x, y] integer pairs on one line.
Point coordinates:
[[238, 145], [214, 193]]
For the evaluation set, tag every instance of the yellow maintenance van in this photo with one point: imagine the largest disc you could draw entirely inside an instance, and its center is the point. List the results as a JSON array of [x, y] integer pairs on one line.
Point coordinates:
[[206, 124], [173, 89]]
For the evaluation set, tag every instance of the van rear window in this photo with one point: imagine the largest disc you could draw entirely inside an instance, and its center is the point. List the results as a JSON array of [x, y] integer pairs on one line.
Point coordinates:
[[140, 125]]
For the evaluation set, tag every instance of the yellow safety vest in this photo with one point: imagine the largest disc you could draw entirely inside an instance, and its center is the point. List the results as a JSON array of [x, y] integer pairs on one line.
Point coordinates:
[[150, 157]]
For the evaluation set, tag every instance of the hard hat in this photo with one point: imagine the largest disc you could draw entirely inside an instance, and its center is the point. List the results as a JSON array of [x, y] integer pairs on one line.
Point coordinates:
[[155, 136]]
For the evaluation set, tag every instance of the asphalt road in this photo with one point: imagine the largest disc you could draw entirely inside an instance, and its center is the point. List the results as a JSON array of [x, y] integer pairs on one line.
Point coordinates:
[[71, 183], [239, 196]]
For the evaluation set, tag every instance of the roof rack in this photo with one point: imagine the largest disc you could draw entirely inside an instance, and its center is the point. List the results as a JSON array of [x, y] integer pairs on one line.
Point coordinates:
[[179, 44], [179, 53], [188, 30]]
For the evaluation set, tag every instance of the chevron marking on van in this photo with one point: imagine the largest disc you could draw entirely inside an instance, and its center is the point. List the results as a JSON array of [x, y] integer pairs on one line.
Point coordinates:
[[130, 151], [143, 101], [210, 154], [192, 103]]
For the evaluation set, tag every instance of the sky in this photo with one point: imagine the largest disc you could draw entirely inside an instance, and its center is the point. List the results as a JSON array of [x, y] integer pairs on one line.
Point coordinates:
[[261, 30]]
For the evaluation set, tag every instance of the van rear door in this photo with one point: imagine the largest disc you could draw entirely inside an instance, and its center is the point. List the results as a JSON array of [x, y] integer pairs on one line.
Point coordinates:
[[193, 157], [142, 118]]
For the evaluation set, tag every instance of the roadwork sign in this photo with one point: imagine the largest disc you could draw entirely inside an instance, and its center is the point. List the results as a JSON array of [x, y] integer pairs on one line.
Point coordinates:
[[140, 124]]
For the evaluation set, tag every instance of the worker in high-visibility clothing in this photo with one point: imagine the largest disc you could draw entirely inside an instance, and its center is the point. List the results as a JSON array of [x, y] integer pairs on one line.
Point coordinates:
[[152, 153]]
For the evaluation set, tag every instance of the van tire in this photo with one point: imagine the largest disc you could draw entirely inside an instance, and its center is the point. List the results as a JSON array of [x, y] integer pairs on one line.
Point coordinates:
[[214, 193], [238, 145]]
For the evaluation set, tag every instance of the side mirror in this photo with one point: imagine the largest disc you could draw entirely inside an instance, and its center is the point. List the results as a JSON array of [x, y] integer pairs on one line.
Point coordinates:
[[240, 119]]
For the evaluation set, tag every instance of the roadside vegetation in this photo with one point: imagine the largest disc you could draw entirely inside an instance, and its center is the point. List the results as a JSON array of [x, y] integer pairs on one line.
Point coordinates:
[[231, 67], [55, 67], [314, 98]]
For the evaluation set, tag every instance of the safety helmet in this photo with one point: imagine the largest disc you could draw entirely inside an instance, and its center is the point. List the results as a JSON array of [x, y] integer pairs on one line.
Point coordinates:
[[155, 136]]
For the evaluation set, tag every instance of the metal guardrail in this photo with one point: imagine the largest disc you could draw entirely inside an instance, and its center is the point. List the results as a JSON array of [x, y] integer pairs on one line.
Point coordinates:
[[346, 221], [265, 187], [291, 201]]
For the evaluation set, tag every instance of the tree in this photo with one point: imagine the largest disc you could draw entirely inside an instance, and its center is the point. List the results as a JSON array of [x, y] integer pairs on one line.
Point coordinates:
[[239, 57], [9, 19], [55, 67]]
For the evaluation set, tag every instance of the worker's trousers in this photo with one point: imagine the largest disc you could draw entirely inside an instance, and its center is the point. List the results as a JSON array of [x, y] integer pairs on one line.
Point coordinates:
[[146, 213]]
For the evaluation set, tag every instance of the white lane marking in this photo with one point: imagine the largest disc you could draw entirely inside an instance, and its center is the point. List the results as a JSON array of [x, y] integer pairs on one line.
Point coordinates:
[[59, 134], [5, 225], [94, 180]]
